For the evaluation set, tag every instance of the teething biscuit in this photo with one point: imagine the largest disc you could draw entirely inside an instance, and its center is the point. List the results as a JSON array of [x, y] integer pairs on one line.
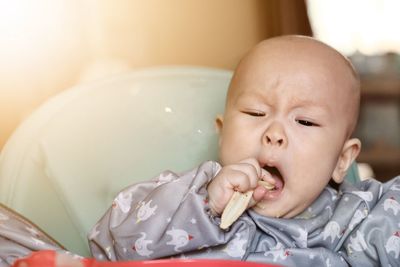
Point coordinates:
[[238, 204]]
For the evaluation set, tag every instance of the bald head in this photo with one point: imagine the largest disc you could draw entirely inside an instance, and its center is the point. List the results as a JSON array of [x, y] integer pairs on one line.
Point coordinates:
[[310, 60], [301, 45]]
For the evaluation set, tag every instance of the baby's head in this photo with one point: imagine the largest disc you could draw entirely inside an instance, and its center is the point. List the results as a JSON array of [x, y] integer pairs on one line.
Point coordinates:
[[292, 104]]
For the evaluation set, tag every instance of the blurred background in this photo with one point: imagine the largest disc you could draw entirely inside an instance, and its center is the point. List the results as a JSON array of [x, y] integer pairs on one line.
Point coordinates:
[[47, 46]]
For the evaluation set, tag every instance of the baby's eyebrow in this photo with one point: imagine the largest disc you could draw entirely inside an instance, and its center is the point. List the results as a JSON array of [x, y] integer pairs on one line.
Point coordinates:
[[251, 96], [293, 102], [310, 105], [305, 102]]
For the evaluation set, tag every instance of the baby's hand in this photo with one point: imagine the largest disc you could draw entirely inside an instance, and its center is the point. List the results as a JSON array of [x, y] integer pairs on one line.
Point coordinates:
[[242, 177]]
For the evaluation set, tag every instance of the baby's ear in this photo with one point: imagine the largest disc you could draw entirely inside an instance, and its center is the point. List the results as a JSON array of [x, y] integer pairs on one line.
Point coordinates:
[[349, 153], [219, 123]]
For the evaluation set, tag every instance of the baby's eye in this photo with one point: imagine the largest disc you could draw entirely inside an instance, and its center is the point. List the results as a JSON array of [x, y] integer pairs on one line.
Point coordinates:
[[254, 113], [307, 123]]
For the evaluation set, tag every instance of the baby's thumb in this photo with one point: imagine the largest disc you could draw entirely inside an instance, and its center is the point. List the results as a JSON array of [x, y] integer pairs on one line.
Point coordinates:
[[258, 195]]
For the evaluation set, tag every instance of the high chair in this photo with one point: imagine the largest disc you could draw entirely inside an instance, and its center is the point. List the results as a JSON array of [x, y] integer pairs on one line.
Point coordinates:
[[65, 163]]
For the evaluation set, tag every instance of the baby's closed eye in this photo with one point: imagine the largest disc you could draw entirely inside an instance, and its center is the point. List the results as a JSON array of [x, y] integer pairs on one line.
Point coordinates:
[[254, 113], [307, 123]]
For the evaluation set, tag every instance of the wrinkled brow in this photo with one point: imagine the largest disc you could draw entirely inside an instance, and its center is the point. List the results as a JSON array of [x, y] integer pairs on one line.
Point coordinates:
[[296, 102]]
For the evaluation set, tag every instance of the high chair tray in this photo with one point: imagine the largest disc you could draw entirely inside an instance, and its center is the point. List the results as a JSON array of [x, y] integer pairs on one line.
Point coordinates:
[[49, 259]]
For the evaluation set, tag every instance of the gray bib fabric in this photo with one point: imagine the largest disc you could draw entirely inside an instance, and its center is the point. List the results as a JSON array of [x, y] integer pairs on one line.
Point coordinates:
[[19, 237], [168, 216]]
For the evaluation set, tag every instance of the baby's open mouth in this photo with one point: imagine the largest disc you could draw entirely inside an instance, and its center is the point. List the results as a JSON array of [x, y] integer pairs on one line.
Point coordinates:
[[277, 176]]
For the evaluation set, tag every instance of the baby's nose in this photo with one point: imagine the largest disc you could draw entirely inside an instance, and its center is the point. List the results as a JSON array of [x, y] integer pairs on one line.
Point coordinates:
[[275, 135], [274, 140]]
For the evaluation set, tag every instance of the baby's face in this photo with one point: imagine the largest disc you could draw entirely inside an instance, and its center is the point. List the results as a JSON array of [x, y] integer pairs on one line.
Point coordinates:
[[290, 111]]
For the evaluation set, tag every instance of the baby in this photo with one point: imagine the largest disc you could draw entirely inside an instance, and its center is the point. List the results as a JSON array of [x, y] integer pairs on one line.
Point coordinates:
[[291, 108]]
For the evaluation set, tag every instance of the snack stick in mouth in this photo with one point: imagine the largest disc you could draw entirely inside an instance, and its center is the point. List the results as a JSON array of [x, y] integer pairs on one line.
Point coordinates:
[[266, 184], [238, 204]]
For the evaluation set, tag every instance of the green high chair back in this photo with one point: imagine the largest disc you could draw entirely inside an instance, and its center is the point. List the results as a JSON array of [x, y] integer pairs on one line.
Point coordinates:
[[65, 163]]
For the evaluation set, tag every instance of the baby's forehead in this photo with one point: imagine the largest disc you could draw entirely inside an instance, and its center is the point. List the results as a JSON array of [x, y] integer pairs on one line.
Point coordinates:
[[291, 93], [303, 60], [288, 49]]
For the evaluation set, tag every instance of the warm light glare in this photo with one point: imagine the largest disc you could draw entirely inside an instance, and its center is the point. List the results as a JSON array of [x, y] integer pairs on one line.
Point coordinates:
[[369, 26], [22, 25], [30, 29]]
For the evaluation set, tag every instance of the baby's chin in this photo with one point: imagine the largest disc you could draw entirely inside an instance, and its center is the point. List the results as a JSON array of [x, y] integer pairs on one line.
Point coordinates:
[[269, 209], [262, 209]]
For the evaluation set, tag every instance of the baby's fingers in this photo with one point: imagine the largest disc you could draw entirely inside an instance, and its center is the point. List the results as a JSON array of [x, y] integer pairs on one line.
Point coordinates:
[[250, 173], [267, 178]]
